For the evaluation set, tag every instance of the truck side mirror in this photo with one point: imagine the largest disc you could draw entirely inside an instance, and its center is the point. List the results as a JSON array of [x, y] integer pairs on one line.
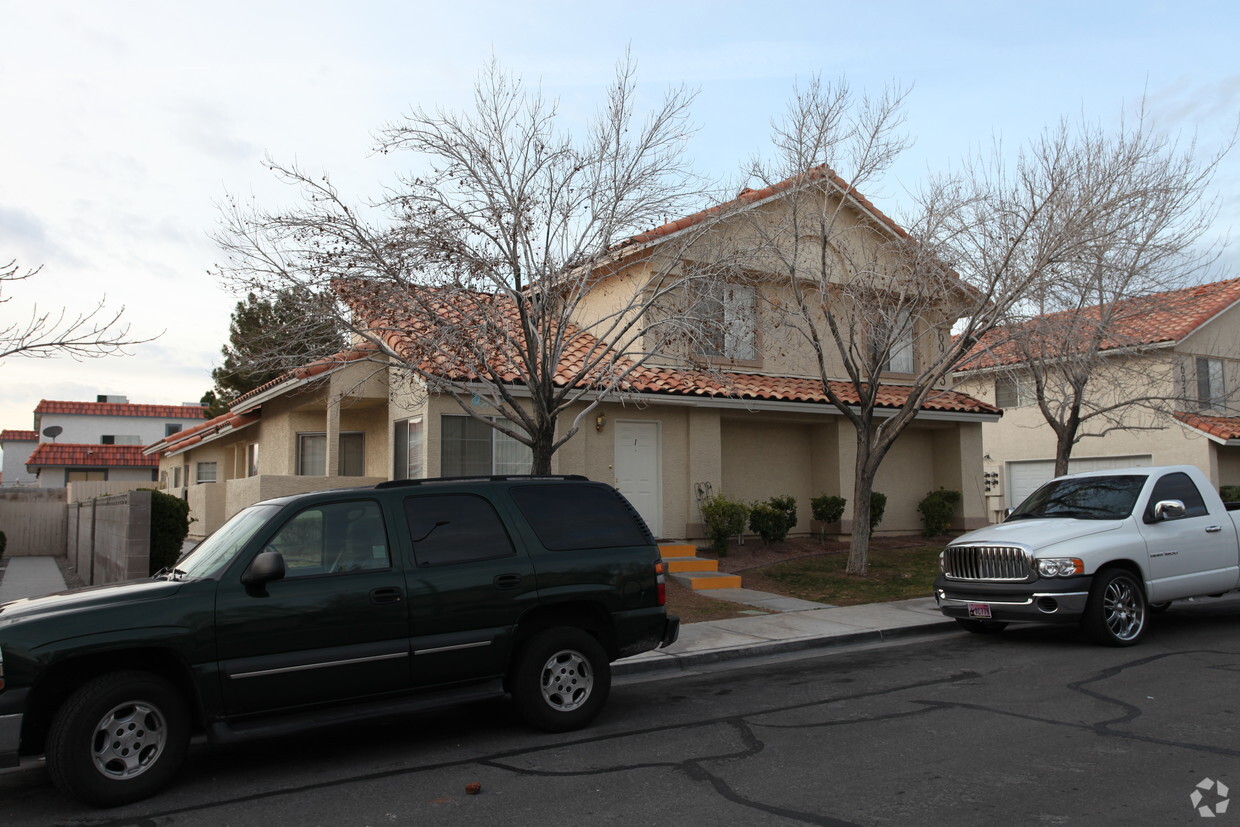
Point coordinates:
[[266, 568], [1168, 509]]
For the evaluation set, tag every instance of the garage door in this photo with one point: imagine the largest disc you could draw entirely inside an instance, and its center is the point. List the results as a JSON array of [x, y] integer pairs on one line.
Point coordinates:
[[1025, 477]]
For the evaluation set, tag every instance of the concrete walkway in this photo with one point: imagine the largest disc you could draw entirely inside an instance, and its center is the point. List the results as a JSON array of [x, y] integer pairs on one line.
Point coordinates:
[[789, 625]]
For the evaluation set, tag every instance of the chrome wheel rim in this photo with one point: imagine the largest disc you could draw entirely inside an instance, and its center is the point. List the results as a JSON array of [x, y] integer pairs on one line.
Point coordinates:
[[129, 740], [567, 680], [1123, 609]]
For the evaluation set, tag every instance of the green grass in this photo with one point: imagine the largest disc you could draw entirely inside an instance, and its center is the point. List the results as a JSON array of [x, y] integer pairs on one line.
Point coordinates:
[[894, 574]]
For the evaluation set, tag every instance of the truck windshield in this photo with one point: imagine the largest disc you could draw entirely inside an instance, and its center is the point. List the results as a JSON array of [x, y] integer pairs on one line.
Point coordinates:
[[213, 554], [1083, 498]]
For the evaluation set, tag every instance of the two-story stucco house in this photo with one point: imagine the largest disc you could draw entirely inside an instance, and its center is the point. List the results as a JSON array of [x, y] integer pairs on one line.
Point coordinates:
[[755, 425], [101, 440], [1181, 348]]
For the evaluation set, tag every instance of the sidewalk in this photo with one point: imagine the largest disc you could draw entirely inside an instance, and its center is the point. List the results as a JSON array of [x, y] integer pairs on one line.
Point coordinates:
[[791, 625]]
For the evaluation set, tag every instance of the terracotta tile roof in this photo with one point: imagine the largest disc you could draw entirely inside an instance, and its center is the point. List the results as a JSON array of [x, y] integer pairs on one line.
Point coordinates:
[[67, 454], [403, 333], [119, 409], [1148, 320], [336, 360], [192, 436], [750, 196], [1222, 427], [19, 436]]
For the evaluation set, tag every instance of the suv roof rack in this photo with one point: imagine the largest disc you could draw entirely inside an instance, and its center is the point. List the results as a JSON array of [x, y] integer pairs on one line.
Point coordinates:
[[481, 478]]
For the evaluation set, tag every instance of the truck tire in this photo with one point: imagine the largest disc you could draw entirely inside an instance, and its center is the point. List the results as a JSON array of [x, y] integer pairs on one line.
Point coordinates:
[[119, 738], [1116, 612], [561, 679]]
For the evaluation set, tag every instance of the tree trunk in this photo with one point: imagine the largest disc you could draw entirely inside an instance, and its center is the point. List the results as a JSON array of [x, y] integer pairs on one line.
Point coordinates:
[[544, 438], [859, 546]]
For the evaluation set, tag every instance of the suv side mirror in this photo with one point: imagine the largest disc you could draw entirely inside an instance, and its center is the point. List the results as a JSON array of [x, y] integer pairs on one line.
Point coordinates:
[[1168, 509], [266, 568]]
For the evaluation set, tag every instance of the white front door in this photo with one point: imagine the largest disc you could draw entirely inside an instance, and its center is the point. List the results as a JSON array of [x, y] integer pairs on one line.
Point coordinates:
[[637, 470]]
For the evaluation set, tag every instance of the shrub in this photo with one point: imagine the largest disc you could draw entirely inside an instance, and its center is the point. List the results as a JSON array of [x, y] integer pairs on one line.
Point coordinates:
[[1230, 493], [169, 525], [724, 520], [788, 505], [768, 522], [878, 505], [827, 509], [937, 510]]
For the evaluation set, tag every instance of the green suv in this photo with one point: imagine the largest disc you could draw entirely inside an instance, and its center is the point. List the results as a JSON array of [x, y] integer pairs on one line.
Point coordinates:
[[334, 606]]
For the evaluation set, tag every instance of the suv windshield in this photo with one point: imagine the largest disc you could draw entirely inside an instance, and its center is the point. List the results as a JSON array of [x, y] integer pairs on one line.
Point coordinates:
[[213, 554], [1083, 498]]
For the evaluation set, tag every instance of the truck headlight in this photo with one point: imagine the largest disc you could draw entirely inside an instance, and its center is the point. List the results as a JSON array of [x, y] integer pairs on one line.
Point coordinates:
[[1060, 566]]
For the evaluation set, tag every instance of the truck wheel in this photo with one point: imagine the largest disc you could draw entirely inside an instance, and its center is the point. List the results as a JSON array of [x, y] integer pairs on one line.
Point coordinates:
[[1115, 613], [117, 739], [561, 679], [981, 627]]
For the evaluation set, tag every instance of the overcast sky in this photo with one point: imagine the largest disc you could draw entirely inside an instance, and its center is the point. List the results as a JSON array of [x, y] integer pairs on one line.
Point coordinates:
[[126, 123]]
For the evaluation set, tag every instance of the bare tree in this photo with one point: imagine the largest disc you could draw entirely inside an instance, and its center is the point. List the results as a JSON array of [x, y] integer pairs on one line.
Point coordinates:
[[1079, 347], [877, 303], [47, 334], [497, 273]]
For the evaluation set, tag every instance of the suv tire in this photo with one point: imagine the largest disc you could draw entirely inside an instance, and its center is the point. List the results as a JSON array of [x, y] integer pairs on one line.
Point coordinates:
[[118, 738], [561, 679]]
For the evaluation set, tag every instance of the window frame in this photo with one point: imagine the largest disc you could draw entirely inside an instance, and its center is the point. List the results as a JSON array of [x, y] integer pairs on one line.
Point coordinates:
[[736, 320], [300, 459], [494, 436], [201, 466]]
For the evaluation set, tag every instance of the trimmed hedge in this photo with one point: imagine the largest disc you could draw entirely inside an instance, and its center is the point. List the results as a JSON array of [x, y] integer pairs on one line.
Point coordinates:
[[724, 520], [169, 525]]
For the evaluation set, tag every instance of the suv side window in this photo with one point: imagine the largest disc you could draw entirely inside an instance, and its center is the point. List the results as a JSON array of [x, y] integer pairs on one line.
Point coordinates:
[[455, 528], [333, 538], [1178, 487], [580, 517]]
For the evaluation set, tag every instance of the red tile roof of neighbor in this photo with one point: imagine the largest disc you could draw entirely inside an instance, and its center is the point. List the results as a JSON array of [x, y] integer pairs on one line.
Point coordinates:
[[192, 436], [120, 409], [19, 436], [1223, 427], [1159, 318], [103, 456]]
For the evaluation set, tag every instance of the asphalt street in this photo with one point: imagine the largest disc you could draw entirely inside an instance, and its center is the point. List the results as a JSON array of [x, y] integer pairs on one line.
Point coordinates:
[[1034, 726]]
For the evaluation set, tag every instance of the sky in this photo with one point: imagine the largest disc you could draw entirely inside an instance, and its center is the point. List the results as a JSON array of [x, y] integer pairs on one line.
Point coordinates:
[[126, 124]]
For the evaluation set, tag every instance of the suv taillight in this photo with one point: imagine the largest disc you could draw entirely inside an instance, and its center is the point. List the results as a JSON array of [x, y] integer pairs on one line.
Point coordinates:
[[661, 583]]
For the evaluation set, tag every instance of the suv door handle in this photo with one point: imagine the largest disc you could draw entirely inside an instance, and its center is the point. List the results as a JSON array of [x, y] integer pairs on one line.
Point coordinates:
[[507, 581], [386, 595], [1213, 529]]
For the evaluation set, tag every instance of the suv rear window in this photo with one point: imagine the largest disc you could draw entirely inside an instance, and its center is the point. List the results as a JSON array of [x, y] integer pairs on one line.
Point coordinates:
[[580, 516], [455, 528]]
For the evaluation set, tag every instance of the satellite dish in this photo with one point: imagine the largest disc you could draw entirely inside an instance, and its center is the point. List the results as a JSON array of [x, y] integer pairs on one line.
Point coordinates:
[[53, 431]]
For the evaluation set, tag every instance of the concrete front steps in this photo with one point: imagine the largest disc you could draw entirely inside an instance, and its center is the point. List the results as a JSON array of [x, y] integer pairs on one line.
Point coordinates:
[[697, 573]]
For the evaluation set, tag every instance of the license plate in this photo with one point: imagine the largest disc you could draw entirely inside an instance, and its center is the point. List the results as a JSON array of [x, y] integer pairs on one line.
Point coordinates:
[[979, 610]]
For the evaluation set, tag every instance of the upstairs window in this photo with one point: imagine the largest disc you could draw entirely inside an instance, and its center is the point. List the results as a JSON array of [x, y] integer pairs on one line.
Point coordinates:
[[729, 314], [1013, 392], [894, 334], [206, 472], [312, 455], [1211, 386]]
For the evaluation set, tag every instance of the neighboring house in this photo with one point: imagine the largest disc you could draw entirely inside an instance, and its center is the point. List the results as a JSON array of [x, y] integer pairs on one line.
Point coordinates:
[[17, 445], [756, 426], [102, 440], [1181, 345]]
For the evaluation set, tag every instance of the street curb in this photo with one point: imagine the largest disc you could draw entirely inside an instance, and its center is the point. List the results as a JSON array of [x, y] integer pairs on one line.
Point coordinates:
[[689, 660]]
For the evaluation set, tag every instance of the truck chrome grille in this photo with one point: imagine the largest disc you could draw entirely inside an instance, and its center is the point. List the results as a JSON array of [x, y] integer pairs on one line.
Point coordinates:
[[986, 563]]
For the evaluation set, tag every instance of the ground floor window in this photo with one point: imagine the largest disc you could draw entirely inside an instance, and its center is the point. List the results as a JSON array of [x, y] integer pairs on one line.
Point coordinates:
[[206, 472], [312, 454], [470, 447], [408, 438], [83, 475]]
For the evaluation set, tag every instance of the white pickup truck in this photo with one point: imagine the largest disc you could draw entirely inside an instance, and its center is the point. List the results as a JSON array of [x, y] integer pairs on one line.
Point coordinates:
[[1103, 549]]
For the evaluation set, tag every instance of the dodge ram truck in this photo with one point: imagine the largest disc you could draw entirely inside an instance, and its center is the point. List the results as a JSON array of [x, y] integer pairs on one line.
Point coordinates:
[[1103, 549]]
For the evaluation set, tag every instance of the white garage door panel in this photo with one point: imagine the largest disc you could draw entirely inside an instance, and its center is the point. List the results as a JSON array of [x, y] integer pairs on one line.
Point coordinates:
[[1025, 477]]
